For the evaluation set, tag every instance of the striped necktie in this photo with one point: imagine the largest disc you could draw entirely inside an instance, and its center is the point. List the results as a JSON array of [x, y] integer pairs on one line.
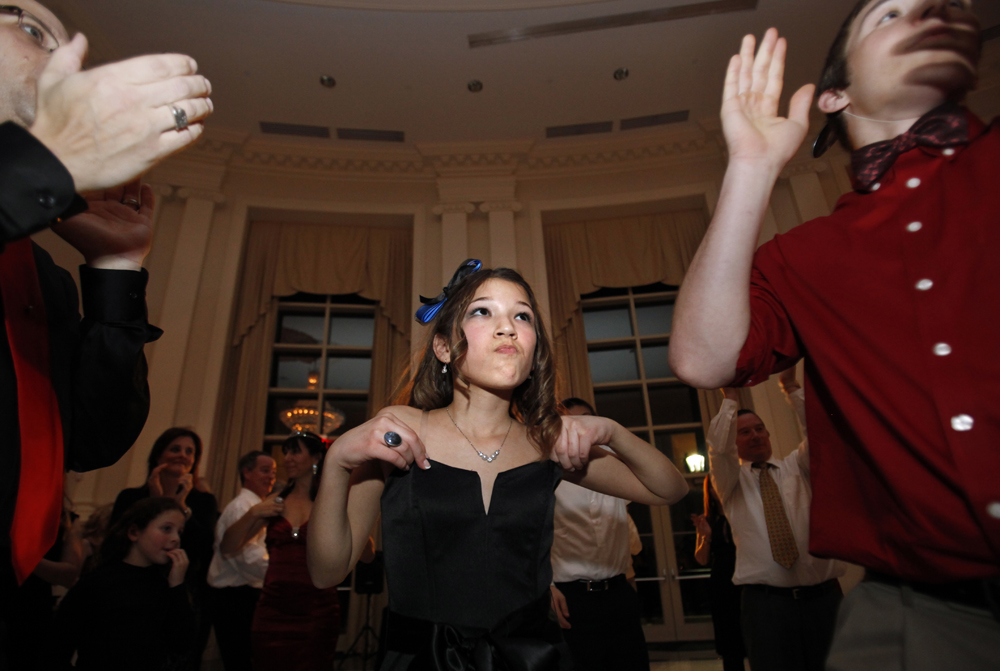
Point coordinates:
[[779, 530]]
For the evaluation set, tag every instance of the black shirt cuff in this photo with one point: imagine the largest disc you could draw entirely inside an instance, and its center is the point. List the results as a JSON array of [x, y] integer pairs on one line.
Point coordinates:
[[113, 296], [36, 190]]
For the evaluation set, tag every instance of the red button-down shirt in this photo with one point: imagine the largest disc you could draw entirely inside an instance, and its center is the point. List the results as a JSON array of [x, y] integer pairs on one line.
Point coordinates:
[[894, 300]]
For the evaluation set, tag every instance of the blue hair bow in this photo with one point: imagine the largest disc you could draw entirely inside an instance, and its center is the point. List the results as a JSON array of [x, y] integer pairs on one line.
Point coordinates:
[[431, 306]]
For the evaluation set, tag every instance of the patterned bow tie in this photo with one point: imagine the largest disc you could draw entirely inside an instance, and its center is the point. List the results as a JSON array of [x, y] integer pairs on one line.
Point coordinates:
[[944, 126]]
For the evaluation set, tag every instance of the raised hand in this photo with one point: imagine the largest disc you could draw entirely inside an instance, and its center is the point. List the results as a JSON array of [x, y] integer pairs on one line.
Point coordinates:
[[750, 100], [153, 481], [186, 483], [367, 442], [112, 234], [111, 124], [701, 525], [179, 566]]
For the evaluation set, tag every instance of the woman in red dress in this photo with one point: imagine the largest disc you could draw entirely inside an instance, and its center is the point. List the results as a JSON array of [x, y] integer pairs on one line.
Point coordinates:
[[295, 625]]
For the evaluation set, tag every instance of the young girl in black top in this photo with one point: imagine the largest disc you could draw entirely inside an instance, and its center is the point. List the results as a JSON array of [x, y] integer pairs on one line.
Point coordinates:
[[132, 612]]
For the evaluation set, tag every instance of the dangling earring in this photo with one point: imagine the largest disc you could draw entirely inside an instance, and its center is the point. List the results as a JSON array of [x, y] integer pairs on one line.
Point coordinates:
[[315, 469], [444, 369]]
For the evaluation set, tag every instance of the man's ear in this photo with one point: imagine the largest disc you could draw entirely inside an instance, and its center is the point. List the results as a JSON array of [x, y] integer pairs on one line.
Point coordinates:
[[441, 349], [833, 101]]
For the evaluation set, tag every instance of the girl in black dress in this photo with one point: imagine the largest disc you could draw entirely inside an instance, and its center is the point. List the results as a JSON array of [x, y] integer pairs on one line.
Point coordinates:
[[132, 612], [715, 545], [466, 474]]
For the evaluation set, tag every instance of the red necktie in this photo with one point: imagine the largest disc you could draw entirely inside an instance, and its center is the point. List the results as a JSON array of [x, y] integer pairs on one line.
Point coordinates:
[[40, 487], [944, 126]]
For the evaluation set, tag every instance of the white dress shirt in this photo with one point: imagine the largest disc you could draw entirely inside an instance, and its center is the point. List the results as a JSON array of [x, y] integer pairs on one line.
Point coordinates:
[[738, 486], [249, 566], [591, 539]]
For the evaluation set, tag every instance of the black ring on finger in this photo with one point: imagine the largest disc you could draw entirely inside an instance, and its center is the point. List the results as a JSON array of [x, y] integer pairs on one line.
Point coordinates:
[[392, 439]]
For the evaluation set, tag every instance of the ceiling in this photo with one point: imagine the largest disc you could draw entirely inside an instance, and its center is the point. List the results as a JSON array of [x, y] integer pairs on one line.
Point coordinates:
[[408, 70]]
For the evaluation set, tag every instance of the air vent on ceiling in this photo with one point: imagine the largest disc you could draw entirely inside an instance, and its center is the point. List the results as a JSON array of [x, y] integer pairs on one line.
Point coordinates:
[[654, 120], [991, 33], [273, 128], [371, 135], [579, 129], [613, 21]]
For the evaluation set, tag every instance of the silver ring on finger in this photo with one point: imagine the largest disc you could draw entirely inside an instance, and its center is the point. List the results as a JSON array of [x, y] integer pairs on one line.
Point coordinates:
[[392, 439], [180, 118], [132, 202]]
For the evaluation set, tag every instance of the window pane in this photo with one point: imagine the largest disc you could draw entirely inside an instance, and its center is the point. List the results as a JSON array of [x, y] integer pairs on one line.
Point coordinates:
[[355, 411], [625, 406], [348, 373], [607, 323], [613, 365], [300, 329], [681, 445], [674, 404], [286, 414], [654, 358], [295, 372], [352, 331], [696, 599], [654, 319], [652, 605]]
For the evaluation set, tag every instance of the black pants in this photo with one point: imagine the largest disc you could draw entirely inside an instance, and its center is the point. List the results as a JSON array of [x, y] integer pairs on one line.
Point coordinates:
[[789, 630], [232, 615], [606, 630]]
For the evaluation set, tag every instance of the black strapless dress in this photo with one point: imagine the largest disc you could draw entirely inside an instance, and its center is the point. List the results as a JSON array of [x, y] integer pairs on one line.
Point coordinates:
[[469, 590]]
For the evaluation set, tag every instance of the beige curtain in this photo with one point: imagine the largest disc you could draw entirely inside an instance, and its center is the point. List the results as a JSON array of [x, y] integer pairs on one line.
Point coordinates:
[[281, 260], [610, 253]]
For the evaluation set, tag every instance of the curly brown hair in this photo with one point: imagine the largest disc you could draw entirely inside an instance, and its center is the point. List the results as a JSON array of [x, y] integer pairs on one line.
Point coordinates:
[[533, 402]]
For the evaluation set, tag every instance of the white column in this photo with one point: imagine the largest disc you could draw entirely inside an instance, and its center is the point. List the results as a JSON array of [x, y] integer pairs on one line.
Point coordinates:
[[503, 237], [454, 236], [167, 359]]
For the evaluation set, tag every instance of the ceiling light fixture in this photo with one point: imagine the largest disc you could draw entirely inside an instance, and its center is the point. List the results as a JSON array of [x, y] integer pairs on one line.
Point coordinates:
[[475, 86], [328, 81], [621, 74]]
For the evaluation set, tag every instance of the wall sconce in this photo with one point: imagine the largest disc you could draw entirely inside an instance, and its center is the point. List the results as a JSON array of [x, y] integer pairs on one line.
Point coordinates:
[[696, 463]]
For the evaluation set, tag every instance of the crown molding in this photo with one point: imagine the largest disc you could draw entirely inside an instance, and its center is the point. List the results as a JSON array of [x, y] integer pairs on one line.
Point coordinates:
[[220, 150]]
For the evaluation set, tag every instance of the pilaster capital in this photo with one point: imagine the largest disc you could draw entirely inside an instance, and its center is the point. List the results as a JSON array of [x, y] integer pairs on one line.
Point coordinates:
[[187, 193], [453, 208], [501, 206]]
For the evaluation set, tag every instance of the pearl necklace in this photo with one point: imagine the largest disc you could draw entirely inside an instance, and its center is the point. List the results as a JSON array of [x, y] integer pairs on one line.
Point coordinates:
[[488, 459]]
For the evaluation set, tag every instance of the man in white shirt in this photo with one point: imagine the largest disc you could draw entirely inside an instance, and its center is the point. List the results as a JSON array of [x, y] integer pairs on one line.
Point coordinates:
[[594, 603], [239, 579], [790, 598]]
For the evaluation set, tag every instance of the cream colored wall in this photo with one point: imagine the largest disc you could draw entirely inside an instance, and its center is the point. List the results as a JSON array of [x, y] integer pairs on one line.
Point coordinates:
[[486, 200]]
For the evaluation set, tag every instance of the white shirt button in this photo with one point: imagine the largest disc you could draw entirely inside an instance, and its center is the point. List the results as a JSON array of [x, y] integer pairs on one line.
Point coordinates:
[[942, 349], [876, 186], [914, 227], [924, 285], [913, 182], [961, 423], [994, 510], [949, 152]]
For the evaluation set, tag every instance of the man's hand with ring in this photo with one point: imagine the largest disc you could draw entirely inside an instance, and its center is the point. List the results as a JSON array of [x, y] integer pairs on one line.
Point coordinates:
[[111, 124]]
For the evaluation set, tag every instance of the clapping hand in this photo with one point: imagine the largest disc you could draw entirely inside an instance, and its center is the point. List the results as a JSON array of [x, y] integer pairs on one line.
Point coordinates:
[[111, 124], [701, 525], [752, 93], [112, 234]]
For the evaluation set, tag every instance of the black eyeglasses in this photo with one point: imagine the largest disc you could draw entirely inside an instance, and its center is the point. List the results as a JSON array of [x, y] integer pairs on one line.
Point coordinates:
[[33, 27]]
